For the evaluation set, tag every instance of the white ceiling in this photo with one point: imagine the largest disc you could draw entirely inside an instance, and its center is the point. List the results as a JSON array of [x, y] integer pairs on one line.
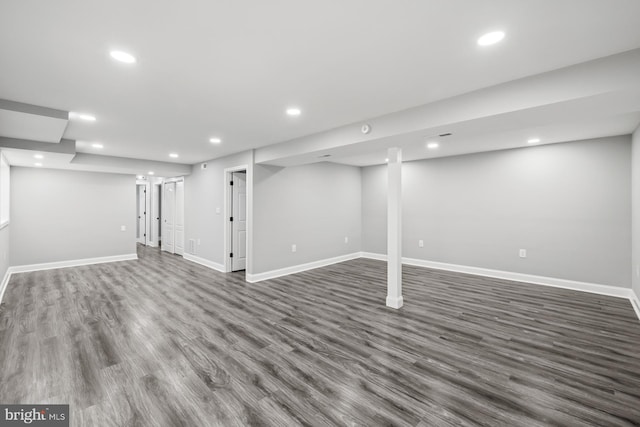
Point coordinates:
[[230, 69]]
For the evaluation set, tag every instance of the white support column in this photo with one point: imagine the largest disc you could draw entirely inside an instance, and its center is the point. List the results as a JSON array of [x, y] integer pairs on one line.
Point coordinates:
[[394, 228]]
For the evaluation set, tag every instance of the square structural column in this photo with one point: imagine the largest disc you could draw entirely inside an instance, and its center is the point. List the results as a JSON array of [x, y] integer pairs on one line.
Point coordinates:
[[394, 228]]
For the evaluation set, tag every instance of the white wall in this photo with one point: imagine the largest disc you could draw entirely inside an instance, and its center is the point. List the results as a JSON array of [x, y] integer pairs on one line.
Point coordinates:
[[5, 214], [4, 253], [567, 204], [313, 206], [61, 215], [635, 200], [204, 193]]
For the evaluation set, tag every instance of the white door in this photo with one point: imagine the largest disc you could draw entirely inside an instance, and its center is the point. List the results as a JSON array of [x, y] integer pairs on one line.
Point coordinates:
[[168, 216], [179, 218], [141, 228], [239, 222], [155, 214]]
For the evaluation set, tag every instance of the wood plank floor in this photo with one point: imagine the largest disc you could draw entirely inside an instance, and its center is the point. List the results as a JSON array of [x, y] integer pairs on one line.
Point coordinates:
[[165, 342]]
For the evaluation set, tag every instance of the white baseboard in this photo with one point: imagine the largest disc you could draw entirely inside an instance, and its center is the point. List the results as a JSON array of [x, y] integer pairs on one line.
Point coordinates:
[[371, 255], [253, 278], [4, 283], [205, 262], [635, 303], [71, 263], [60, 264], [594, 288], [395, 302]]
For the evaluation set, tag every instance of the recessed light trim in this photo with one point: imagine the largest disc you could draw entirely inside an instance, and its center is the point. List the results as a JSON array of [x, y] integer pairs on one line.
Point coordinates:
[[38, 156], [39, 165], [97, 145], [174, 155], [121, 56], [433, 145], [215, 140], [386, 160], [533, 140], [293, 111], [491, 38], [151, 173]]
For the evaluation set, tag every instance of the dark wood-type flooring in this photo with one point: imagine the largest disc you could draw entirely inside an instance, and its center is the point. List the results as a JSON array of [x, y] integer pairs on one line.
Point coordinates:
[[166, 342]]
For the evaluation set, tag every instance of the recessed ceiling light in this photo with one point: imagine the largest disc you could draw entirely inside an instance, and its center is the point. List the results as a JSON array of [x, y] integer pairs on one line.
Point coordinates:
[[293, 111], [432, 145], [174, 155], [97, 145], [38, 164], [491, 38], [215, 140], [533, 141], [150, 173], [121, 56], [83, 116], [38, 156], [386, 160]]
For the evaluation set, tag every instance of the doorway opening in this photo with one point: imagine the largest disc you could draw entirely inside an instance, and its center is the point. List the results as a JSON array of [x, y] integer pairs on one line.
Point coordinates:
[[236, 229], [141, 211], [173, 216], [156, 214]]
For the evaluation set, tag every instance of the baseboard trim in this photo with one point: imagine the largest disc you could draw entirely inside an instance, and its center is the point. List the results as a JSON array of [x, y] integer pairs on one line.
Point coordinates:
[[71, 263], [212, 265], [371, 255], [4, 283], [259, 277], [395, 302], [635, 303], [593, 288]]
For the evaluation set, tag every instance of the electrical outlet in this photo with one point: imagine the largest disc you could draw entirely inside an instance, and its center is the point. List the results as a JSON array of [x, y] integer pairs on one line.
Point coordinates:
[[523, 253], [217, 211], [638, 270], [198, 242], [123, 228], [421, 243], [346, 239], [294, 248]]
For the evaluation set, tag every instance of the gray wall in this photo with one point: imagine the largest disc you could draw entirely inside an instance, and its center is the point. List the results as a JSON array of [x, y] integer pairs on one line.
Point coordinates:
[[61, 215], [313, 206], [635, 200], [567, 204], [203, 193]]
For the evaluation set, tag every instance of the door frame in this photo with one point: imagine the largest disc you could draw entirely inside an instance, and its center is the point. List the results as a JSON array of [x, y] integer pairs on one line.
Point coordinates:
[[228, 232]]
